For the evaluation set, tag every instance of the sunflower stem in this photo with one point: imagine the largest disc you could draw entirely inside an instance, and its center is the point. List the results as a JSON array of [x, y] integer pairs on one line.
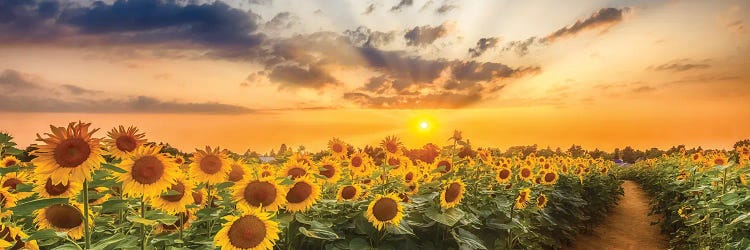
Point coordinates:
[[86, 229], [210, 204], [510, 233], [181, 223], [143, 226]]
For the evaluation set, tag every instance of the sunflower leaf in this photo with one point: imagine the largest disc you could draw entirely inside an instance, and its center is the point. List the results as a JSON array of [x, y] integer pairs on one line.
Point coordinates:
[[319, 233], [141, 220], [113, 168], [31, 206]]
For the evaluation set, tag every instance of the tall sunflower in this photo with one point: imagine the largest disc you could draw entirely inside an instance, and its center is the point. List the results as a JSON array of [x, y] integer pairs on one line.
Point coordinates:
[[11, 180], [526, 173], [330, 169], [348, 193], [7, 200], [211, 166], [14, 237], [444, 165], [295, 170], [265, 193], [302, 195], [392, 145], [63, 218], [68, 153], [238, 172], [397, 163], [504, 175], [178, 201], [121, 141], [523, 198], [410, 176], [9, 161], [102, 195], [147, 172], [550, 178], [453, 193], [254, 230], [719, 159], [358, 163], [385, 210], [337, 147], [541, 201], [45, 189]]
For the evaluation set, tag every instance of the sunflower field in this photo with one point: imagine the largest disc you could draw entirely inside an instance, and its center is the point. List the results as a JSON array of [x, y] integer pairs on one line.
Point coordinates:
[[703, 196], [77, 189]]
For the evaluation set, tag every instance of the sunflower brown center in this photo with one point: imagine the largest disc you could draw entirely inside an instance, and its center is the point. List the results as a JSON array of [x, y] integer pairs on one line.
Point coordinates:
[[5, 235], [56, 189], [395, 162], [237, 173], [541, 200], [299, 192], [391, 147], [525, 172], [126, 143], [72, 152], [329, 171], [452, 192], [63, 216], [409, 177], [247, 232], [338, 148], [147, 170], [210, 164], [179, 188], [197, 198], [12, 183], [10, 162], [348, 192], [259, 193], [385, 209], [719, 161], [549, 177], [296, 172], [504, 174], [357, 162], [446, 165]]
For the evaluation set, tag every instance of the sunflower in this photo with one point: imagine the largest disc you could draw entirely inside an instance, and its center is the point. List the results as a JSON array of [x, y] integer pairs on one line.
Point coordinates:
[[485, 155], [452, 193], [397, 163], [385, 210], [13, 236], [147, 172], [7, 200], [238, 172], [46, 189], [10, 161], [412, 188], [410, 176], [550, 178], [348, 193], [523, 198], [254, 230], [68, 153], [392, 145], [330, 169], [199, 197], [526, 173], [121, 141], [177, 202], [358, 163], [696, 157], [302, 195], [295, 170], [303, 158], [103, 195], [504, 175], [11, 180], [265, 193], [541, 201], [211, 166], [62, 218], [337, 147], [719, 159], [444, 165]]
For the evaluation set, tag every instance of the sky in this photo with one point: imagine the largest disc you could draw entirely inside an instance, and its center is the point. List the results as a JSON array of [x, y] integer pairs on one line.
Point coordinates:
[[252, 74]]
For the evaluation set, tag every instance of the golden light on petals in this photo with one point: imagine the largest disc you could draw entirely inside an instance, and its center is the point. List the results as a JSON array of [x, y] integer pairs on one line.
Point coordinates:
[[68, 153], [178, 201], [210, 165], [254, 230], [62, 218], [385, 210], [147, 172], [265, 193], [302, 195], [452, 194], [9, 161], [392, 145], [44, 188], [122, 141], [348, 193]]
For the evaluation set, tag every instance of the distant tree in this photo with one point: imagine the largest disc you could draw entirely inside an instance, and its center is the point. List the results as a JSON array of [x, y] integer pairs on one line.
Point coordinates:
[[282, 149], [576, 151], [742, 143]]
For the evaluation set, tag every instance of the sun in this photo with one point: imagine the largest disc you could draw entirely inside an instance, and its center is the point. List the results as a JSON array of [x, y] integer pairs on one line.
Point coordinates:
[[424, 125]]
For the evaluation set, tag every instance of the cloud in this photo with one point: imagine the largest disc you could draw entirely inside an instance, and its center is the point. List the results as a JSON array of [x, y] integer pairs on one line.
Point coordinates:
[[426, 35], [736, 26], [402, 4], [363, 36], [369, 10], [602, 19], [643, 89], [445, 8], [680, 66], [30, 20], [282, 20], [483, 45], [261, 2], [290, 76], [521, 47], [32, 95], [432, 101]]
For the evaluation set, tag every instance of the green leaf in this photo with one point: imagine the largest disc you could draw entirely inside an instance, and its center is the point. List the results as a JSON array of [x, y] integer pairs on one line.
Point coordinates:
[[224, 185], [359, 243], [745, 218], [13, 151], [141, 220], [114, 205], [449, 218], [113, 168], [109, 241], [31, 206], [40, 235], [67, 246], [12, 169], [287, 181], [467, 238], [401, 228], [319, 233], [730, 199]]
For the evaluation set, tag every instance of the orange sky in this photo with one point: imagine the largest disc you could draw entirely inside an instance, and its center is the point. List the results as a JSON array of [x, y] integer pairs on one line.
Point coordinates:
[[600, 74]]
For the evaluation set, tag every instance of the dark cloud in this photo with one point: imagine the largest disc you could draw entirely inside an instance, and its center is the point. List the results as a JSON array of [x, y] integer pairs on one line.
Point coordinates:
[[521, 47], [602, 19], [644, 89], [363, 36], [12, 80], [282, 20], [678, 67], [290, 76], [445, 8], [737, 26], [261, 2], [483, 45], [426, 35], [402, 4], [432, 101], [369, 10], [28, 20], [75, 90]]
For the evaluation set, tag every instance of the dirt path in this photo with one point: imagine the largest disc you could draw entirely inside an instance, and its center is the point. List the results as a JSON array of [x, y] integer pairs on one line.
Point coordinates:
[[627, 226]]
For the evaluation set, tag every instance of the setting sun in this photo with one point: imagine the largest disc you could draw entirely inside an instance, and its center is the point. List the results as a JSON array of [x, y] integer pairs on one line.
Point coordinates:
[[424, 125]]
